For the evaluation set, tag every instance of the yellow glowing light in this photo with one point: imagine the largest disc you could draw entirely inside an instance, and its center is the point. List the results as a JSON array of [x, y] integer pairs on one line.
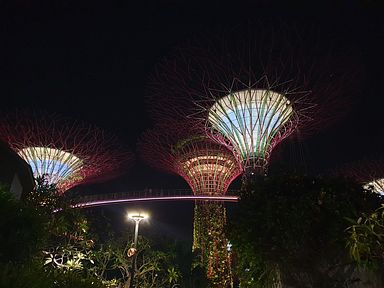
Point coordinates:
[[208, 168], [137, 216], [205, 158], [208, 164], [208, 174]]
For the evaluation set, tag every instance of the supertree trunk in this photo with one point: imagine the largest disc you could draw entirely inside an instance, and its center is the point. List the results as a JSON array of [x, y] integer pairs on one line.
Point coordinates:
[[209, 239]]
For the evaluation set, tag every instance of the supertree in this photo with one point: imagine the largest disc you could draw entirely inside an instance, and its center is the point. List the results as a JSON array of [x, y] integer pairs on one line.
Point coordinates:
[[209, 168], [368, 172], [252, 92], [63, 151]]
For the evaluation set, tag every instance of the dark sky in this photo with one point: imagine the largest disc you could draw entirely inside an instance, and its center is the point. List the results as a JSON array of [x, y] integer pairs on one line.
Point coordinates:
[[91, 59]]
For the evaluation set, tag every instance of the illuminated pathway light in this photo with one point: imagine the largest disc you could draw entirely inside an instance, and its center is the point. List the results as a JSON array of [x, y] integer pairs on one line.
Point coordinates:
[[254, 121]]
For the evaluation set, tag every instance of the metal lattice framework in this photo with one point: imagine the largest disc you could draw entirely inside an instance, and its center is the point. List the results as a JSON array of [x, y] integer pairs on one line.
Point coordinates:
[[209, 168], [252, 92], [254, 121], [65, 152], [368, 172]]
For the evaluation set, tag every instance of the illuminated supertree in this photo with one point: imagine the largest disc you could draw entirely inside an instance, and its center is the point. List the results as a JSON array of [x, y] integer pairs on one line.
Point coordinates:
[[251, 92], [209, 168], [368, 172], [64, 152], [252, 121]]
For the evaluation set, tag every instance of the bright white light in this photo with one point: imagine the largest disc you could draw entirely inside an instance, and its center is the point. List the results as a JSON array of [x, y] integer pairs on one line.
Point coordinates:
[[251, 119], [378, 186], [137, 216], [56, 165]]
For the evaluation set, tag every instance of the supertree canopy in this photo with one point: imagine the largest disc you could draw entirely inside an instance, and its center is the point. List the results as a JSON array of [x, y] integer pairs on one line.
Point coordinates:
[[252, 92], [253, 121], [368, 172], [208, 168], [377, 185], [63, 151]]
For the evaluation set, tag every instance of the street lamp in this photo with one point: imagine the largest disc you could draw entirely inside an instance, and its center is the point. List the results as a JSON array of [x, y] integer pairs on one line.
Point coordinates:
[[137, 217]]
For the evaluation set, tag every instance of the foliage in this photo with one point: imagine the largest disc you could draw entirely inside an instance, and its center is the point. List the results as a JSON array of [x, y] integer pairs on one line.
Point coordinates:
[[55, 243], [67, 246], [290, 228], [33, 276], [211, 243], [198, 277], [22, 229], [366, 239], [68, 258], [251, 268], [152, 268], [192, 272], [44, 197], [28, 228]]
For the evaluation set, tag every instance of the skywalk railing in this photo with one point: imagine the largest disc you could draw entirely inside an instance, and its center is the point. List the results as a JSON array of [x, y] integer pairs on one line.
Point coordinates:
[[148, 195]]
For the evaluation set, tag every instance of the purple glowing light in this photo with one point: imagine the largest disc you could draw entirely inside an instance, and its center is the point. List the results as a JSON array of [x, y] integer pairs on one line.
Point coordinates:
[[165, 198]]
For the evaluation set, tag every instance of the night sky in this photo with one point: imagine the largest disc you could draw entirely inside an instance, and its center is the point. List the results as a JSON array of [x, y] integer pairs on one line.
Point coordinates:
[[91, 60]]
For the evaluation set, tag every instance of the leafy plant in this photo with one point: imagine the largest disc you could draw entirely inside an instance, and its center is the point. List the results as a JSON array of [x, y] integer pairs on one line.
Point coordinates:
[[22, 229], [33, 276], [289, 227], [366, 238]]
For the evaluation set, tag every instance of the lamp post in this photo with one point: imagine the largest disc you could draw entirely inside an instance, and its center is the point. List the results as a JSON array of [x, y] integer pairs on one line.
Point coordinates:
[[132, 252]]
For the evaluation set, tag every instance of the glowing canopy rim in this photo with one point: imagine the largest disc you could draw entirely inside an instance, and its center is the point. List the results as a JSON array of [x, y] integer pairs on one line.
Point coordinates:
[[377, 185], [208, 167], [209, 176], [56, 165], [207, 164], [254, 121]]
